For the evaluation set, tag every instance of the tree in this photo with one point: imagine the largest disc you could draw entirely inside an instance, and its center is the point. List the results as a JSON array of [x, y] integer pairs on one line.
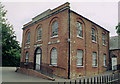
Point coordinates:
[[10, 46], [118, 28]]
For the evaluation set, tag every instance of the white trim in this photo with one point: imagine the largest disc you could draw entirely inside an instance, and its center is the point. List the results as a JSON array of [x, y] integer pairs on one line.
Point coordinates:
[[94, 66], [80, 66], [53, 65], [53, 42], [104, 44], [54, 36], [94, 41], [79, 37], [26, 47], [38, 40], [104, 66], [28, 43]]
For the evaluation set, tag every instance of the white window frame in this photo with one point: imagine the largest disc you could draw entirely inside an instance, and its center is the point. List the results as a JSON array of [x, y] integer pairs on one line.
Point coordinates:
[[28, 38], [94, 59], [104, 60], [79, 29], [54, 57], [39, 36], [26, 57], [103, 38], [93, 35], [79, 58], [55, 29]]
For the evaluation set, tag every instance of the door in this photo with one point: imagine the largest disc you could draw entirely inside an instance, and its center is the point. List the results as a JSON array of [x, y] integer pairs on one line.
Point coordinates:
[[38, 59], [114, 63]]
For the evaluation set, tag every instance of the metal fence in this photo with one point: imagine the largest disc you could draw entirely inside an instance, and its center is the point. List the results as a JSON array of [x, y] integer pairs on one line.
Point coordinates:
[[106, 79]]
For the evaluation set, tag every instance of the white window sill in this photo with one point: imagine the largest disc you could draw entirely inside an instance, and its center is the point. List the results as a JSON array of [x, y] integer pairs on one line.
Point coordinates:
[[79, 66], [104, 45], [54, 36], [94, 66], [94, 41], [53, 65], [105, 66], [28, 43], [38, 40], [79, 37]]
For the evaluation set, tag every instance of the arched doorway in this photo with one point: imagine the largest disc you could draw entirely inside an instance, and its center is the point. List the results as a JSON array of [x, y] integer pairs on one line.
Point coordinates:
[[37, 59]]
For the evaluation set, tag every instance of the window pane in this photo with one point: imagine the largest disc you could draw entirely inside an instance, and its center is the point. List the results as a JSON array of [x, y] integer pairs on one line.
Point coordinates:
[[55, 28], [93, 34], [38, 51], [104, 60], [103, 38], [27, 57], [54, 56], [39, 33], [28, 37], [79, 29], [80, 57], [94, 59]]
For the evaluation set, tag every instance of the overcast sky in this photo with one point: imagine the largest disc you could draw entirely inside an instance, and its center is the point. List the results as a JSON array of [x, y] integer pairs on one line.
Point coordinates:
[[104, 14]]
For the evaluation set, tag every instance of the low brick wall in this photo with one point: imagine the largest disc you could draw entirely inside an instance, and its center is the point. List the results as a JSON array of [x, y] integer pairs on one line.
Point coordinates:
[[33, 73]]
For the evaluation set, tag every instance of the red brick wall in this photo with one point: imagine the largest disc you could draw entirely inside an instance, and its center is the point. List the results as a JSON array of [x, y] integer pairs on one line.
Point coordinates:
[[62, 46], [88, 48]]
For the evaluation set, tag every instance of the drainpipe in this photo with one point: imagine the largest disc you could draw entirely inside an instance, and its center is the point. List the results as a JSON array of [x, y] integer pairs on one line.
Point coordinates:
[[109, 64], [85, 52], [69, 47], [98, 50]]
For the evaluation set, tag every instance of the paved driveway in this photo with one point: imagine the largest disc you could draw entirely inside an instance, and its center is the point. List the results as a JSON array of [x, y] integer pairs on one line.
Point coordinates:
[[9, 75]]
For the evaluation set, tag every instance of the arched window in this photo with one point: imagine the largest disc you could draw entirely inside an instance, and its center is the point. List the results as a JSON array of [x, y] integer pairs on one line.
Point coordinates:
[[79, 29], [54, 56], [28, 38], [93, 34], [55, 28], [27, 57], [39, 34]]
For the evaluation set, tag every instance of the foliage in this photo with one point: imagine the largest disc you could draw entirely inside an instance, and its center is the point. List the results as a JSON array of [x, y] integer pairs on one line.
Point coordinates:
[[10, 47], [118, 28]]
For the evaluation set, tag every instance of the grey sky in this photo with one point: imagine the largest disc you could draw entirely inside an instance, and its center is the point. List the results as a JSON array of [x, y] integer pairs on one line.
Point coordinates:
[[104, 14]]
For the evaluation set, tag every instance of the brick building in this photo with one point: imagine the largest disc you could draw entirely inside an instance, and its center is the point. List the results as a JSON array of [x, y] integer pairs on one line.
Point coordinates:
[[66, 42], [115, 52]]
